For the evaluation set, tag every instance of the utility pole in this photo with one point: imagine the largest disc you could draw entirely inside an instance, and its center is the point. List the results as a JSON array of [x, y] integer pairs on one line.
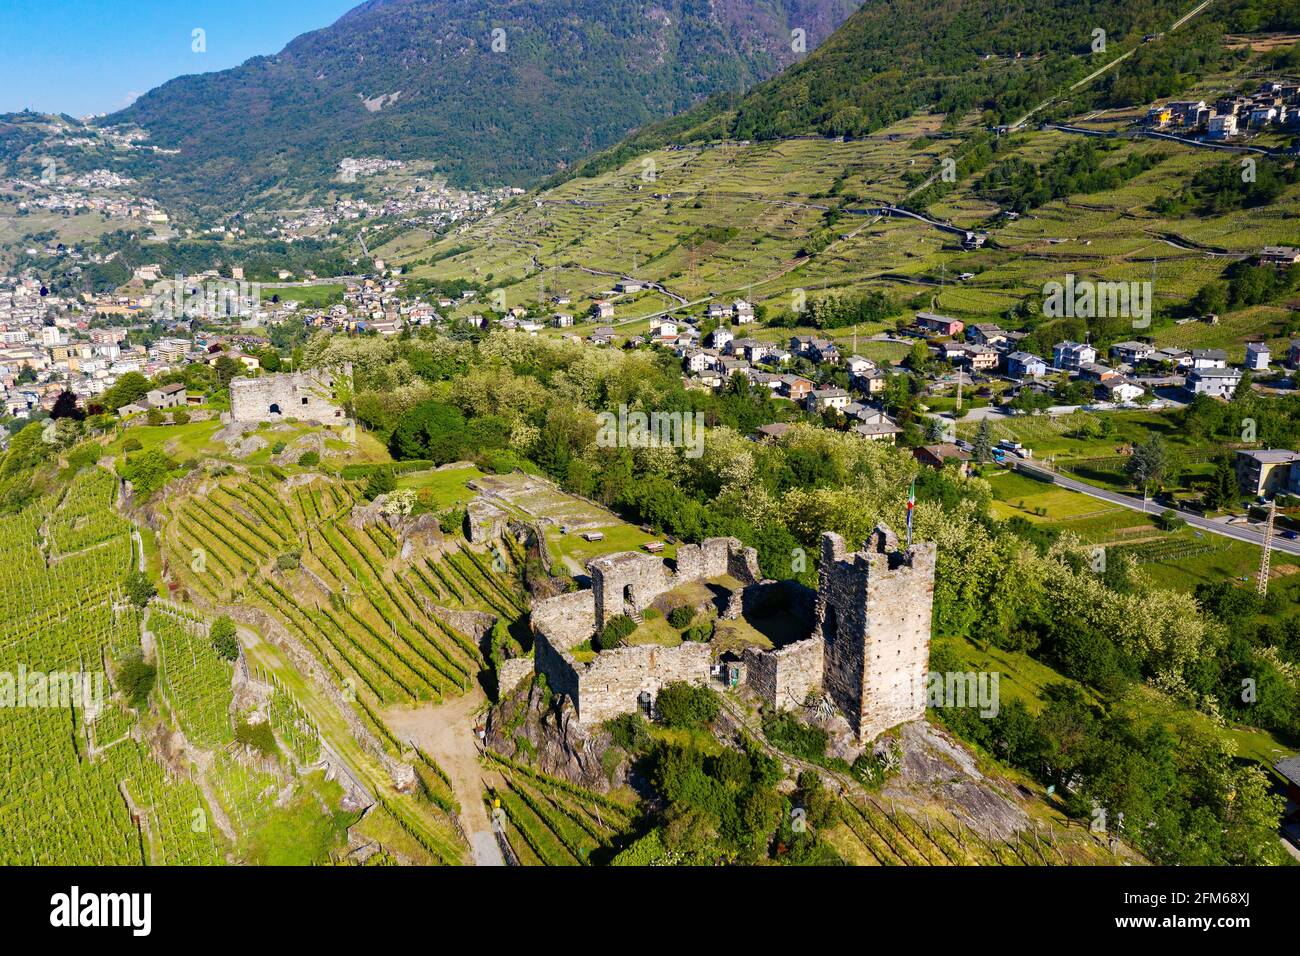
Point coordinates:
[[1262, 584]]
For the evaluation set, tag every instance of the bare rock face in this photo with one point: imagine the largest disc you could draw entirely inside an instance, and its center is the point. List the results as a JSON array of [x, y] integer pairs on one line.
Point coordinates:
[[936, 764], [420, 534], [534, 728]]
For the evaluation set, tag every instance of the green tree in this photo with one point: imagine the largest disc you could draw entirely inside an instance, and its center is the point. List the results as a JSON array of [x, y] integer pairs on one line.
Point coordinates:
[[381, 482], [131, 387], [139, 589], [982, 447], [1212, 299], [431, 430], [685, 706], [135, 679], [1149, 463], [1223, 489], [223, 637]]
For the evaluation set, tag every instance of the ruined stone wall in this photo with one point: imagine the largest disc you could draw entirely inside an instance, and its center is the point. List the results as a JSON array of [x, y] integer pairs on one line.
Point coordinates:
[[873, 614], [627, 583], [559, 669], [840, 624], [305, 395], [566, 619], [784, 678], [715, 557], [611, 684], [512, 673], [486, 521]]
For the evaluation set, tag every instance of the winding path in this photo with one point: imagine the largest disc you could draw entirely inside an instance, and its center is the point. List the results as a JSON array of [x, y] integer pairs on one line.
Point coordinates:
[[445, 732]]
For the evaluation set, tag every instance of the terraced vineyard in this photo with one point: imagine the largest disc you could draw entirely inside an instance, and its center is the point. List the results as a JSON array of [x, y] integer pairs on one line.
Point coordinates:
[[869, 833], [194, 679], [92, 790], [551, 822], [382, 625]]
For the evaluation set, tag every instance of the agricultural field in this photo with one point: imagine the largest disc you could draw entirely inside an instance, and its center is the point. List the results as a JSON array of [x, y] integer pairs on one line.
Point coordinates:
[[1178, 559], [109, 780], [550, 822], [379, 623], [731, 219], [94, 791]]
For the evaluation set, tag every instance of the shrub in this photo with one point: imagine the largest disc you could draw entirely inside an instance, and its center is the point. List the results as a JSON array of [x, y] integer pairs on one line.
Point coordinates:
[[687, 707], [180, 417], [258, 736], [630, 732], [135, 680], [289, 561], [154, 416], [132, 444], [277, 447], [786, 732], [680, 616], [309, 459], [381, 483], [615, 632], [139, 589], [701, 633], [1169, 520], [224, 641], [451, 521]]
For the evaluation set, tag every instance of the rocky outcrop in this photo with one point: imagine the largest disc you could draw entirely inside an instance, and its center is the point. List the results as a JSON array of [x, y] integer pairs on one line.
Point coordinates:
[[535, 728]]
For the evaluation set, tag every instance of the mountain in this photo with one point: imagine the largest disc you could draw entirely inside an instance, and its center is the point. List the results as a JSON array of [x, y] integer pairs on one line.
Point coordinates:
[[498, 93], [1001, 57]]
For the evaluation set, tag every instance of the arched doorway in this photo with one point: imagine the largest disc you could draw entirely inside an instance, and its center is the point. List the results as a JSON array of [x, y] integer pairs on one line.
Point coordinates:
[[275, 408]]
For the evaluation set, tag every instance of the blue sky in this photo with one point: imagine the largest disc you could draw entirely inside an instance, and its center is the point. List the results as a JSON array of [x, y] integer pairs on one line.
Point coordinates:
[[95, 56]]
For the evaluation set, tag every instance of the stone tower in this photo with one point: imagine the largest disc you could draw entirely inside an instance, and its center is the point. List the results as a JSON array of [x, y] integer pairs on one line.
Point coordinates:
[[873, 617]]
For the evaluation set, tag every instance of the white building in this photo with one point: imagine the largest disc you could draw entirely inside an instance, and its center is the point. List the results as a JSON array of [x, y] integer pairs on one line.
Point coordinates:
[[1215, 382], [1257, 356]]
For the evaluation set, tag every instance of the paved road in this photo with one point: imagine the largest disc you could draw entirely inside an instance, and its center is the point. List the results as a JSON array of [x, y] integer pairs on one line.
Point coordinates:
[[1240, 532]]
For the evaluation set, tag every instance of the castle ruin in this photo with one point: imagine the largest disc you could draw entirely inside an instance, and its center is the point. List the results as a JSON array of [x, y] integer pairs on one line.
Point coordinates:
[[868, 651], [308, 396]]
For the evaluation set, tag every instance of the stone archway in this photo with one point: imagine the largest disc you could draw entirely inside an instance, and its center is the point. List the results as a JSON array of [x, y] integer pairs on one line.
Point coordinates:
[[275, 408]]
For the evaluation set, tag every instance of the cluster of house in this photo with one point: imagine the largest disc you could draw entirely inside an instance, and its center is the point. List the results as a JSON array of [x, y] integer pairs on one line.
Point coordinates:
[[51, 343], [1134, 367], [99, 191], [1274, 104], [415, 199]]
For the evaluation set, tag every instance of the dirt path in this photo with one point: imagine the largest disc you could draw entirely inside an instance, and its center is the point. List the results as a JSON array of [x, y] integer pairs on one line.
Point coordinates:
[[445, 732]]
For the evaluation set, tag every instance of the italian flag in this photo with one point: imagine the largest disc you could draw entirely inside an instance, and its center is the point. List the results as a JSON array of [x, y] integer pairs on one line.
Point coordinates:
[[911, 505]]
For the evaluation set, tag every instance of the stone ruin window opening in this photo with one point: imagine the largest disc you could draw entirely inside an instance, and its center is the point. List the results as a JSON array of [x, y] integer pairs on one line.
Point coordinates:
[[275, 408], [628, 600], [304, 399], [830, 629]]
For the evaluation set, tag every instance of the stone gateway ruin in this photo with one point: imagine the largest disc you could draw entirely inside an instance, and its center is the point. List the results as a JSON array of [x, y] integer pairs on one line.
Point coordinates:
[[868, 651], [308, 396]]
